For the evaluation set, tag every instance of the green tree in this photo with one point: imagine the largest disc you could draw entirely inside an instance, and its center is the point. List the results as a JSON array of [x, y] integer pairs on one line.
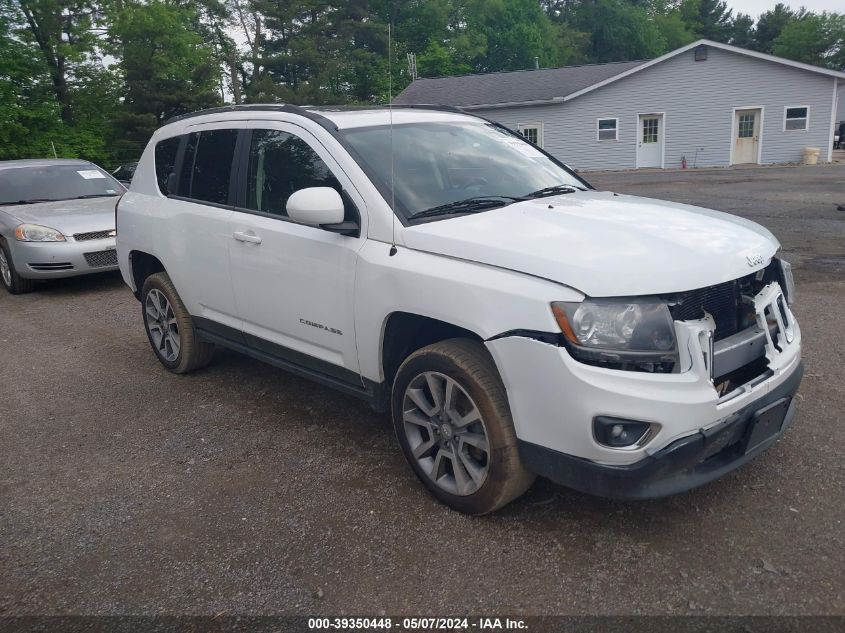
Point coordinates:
[[64, 31], [619, 31], [671, 24], [814, 38], [742, 31], [167, 67], [769, 27], [710, 19]]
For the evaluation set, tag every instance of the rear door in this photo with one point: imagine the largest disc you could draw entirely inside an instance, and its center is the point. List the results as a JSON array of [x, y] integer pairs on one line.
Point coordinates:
[[198, 229], [293, 283]]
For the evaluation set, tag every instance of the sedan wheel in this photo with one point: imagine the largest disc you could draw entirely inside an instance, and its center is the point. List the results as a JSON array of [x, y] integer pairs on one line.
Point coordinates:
[[5, 271]]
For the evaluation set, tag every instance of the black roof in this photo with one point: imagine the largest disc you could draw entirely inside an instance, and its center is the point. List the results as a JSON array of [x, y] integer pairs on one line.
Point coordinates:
[[518, 86]]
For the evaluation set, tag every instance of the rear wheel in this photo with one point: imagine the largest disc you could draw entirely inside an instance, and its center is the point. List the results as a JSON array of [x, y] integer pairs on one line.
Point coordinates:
[[9, 277], [170, 328], [452, 419]]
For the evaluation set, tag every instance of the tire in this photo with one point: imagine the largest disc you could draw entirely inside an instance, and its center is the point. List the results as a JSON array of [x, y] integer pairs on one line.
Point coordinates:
[[170, 328], [478, 407], [9, 277]]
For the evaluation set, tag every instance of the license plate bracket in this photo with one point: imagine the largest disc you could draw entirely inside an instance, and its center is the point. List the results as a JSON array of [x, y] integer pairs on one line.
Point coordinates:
[[766, 423]]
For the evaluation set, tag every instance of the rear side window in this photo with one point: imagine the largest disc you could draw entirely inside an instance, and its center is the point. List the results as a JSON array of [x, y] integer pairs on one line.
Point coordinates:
[[207, 166], [279, 164], [165, 159], [187, 168]]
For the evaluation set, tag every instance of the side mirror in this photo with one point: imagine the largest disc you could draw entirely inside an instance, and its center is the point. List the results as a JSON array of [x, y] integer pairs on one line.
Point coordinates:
[[315, 206]]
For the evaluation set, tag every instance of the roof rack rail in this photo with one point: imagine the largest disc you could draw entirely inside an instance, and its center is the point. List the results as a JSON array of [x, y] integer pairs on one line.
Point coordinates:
[[309, 112], [261, 107]]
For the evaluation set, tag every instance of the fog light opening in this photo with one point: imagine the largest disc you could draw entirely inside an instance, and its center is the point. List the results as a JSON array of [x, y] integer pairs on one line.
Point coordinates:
[[617, 433]]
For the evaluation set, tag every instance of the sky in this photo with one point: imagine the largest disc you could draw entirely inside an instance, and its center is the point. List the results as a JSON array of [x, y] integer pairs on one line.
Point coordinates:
[[756, 7]]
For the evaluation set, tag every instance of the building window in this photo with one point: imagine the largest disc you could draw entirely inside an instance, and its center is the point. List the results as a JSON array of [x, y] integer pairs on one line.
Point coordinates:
[[607, 129], [746, 125], [533, 132], [701, 53], [796, 118]]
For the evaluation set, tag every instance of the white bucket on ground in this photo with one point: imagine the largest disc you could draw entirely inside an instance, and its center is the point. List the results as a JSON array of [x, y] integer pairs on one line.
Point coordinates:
[[811, 155]]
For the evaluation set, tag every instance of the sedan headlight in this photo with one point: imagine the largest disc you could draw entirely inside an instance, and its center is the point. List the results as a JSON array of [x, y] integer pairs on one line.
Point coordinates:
[[37, 233], [635, 334]]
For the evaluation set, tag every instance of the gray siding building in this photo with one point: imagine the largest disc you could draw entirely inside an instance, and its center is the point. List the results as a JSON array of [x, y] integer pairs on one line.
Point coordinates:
[[706, 104]]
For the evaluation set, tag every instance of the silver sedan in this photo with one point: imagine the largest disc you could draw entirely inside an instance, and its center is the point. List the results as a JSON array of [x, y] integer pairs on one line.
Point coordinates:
[[56, 220]]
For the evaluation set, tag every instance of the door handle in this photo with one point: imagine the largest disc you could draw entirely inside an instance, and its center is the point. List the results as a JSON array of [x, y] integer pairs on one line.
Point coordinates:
[[246, 237]]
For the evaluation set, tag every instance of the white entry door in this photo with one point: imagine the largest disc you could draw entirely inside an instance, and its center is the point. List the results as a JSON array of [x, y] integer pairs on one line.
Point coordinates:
[[746, 136], [650, 141]]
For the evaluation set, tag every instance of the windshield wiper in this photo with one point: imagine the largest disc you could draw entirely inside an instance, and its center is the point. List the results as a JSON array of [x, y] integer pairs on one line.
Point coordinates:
[[469, 205], [552, 191], [27, 201]]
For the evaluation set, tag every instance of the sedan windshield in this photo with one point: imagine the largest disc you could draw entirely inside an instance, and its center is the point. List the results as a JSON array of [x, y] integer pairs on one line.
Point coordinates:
[[44, 183], [438, 164]]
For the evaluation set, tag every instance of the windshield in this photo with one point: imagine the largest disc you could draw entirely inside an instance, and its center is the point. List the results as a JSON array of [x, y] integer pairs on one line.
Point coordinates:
[[37, 183], [437, 164]]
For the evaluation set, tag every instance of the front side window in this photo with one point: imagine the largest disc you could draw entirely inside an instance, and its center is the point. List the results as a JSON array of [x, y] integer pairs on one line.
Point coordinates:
[[796, 118], [280, 164], [441, 163], [165, 160], [607, 129]]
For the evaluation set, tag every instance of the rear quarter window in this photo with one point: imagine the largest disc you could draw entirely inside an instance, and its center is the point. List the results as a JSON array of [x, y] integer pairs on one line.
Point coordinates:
[[165, 160]]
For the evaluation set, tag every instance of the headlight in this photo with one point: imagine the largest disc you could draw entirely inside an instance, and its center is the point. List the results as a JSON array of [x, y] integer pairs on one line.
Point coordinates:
[[636, 334], [36, 233], [788, 281]]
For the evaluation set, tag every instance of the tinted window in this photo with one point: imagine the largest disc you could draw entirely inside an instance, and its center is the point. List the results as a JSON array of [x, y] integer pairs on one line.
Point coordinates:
[[33, 183], [188, 165], [213, 166], [165, 157], [279, 164]]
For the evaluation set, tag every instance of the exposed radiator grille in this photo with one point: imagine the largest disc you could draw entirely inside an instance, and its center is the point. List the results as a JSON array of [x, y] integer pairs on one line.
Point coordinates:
[[46, 267], [101, 259], [93, 235], [722, 302]]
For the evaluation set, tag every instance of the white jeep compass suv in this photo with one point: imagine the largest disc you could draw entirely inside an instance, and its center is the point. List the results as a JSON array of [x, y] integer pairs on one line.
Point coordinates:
[[515, 321]]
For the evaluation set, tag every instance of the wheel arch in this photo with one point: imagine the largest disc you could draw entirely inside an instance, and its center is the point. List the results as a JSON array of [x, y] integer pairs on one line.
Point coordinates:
[[403, 333], [142, 266]]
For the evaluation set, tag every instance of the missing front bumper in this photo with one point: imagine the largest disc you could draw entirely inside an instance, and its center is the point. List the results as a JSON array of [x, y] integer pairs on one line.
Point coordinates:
[[684, 464]]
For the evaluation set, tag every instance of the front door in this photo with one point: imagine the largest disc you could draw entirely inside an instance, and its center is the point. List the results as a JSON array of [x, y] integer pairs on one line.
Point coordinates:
[[650, 141], [293, 283], [747, 136]]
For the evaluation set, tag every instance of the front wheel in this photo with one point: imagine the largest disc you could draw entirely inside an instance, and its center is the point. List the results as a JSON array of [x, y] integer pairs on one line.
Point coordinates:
[[9, 277], [170, 328], [452, 419]]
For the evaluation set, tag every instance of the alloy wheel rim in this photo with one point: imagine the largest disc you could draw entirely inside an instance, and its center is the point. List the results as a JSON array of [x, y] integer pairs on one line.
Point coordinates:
[[5, 270], [162, 325], [446, 433]]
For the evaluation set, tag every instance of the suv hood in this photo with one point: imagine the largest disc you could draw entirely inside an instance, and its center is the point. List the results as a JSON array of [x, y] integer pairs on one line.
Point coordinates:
[[605, 244], [67, 216]]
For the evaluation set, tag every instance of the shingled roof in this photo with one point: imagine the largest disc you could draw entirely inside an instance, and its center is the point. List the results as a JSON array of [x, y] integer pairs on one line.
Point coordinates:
[[521, 86]]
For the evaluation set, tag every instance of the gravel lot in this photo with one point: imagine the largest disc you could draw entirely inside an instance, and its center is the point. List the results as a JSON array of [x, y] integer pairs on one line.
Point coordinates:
[[243, 489]]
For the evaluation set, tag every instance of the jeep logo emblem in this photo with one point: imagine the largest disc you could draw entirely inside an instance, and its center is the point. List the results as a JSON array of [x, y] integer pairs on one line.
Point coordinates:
[[754, 260]]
